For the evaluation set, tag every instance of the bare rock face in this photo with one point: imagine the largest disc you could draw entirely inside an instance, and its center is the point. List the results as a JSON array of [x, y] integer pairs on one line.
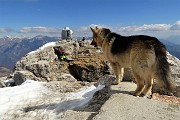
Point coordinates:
[[21, 76], [42, 64], [2, 84], [88, 71], [175, 68], [175, 72], [35, 65]]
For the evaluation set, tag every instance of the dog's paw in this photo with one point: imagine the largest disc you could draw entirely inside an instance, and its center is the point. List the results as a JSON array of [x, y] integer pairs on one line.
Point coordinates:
[[149, 95], [115, 83], [133, 93]]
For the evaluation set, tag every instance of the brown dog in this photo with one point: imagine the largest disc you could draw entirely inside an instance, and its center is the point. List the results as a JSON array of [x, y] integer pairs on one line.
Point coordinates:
[[144, 54]]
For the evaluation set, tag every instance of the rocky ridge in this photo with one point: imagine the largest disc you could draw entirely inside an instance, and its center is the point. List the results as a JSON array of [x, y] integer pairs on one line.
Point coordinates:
[[42, 64], [88, 68]]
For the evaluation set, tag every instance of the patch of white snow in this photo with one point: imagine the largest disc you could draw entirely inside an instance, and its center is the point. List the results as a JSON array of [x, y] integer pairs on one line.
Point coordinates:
[[43, 47], [33, 100]]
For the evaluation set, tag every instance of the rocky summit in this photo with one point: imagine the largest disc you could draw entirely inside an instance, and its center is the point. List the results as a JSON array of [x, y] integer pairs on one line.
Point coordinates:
[[44, 65], [84, 63], [82, 66]]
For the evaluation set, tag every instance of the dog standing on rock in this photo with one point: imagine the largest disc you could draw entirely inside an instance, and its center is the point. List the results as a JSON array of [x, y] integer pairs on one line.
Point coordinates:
[[144, 54]]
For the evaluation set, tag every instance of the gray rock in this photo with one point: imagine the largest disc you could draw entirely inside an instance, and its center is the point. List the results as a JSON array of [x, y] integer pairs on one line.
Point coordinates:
[[122, 106], [2, 84], [10, 83], [175, 68], [41, 65], [21, 76], [90, 73]]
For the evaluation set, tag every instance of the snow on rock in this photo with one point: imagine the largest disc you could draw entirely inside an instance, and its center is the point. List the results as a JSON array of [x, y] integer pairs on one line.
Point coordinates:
[[33, 100], [43, 47], [11, 96], [9, 80], [81, 97]]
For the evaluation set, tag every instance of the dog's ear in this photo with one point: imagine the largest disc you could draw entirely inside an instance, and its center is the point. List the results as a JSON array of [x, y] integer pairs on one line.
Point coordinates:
[[92, 30], [105, 31]]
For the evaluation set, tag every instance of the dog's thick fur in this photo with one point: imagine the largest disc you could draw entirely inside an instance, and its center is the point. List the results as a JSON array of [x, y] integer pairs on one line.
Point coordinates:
[[144, 54]]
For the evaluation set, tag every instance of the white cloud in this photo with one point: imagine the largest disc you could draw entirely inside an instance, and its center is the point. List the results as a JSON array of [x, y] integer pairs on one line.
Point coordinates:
[[145, 28], [87, 28], [157, 30], [176, 26], [39, 30], [5, 30], [85, 31]]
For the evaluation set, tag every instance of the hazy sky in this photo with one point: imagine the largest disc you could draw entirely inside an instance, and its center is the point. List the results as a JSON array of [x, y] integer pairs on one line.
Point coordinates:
[[48, 17]]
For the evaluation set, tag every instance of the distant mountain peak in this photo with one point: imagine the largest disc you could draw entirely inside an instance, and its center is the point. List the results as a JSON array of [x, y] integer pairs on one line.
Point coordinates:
[[11, 37], [13, 48], [40, 36]]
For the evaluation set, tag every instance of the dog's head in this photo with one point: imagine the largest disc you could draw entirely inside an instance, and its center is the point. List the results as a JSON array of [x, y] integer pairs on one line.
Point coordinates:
[[99, 35]]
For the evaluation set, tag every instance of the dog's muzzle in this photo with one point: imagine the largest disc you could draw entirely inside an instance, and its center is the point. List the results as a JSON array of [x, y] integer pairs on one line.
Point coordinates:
[[94, 44]]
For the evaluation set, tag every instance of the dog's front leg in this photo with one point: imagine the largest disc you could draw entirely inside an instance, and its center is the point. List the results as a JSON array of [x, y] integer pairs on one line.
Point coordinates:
[[118, 71]]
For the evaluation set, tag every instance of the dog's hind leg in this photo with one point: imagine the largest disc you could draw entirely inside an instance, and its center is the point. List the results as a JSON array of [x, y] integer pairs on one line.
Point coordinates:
[[148, 86], [118, 71], [140, 85]]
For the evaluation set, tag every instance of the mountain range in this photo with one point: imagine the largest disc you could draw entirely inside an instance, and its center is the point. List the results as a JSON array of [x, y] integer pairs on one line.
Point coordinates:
[[13, 48], [172, 47]]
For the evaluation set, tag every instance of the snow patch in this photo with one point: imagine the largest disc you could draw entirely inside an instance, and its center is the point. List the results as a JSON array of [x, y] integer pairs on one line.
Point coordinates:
[[9, 81], [43, 47], [80, 98], [33, 100], [19, 95]]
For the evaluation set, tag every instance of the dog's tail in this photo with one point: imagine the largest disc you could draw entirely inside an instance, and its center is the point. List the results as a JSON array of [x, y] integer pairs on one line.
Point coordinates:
[[162, 67]]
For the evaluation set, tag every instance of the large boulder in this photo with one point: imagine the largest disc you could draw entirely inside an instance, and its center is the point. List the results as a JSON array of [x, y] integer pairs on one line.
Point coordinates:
[[175, 68], [21, 76], [175, 72], [42, 64], [2, 84]]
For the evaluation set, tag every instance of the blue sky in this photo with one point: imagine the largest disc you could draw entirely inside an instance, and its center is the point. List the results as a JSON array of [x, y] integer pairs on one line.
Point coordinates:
[[48, 17]]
